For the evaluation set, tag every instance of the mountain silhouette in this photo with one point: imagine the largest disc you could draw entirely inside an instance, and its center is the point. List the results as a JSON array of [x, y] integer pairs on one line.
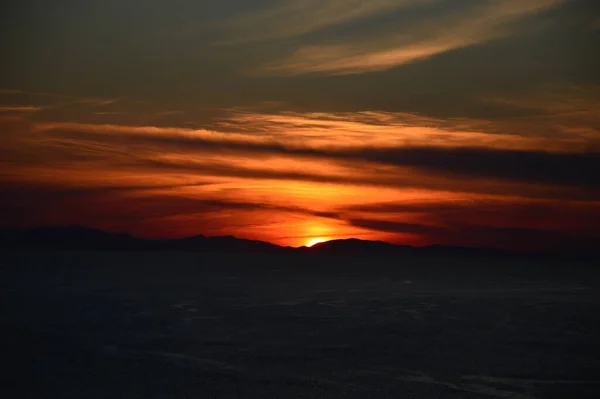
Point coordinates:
[[354, 246], [219, 243], [83, 238]]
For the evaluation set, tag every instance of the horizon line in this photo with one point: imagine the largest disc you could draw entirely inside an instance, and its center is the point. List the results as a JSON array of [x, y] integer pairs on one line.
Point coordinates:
[[320, 244]]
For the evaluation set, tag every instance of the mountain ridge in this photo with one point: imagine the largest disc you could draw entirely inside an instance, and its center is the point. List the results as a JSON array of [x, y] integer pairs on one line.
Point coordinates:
[[84, 238]]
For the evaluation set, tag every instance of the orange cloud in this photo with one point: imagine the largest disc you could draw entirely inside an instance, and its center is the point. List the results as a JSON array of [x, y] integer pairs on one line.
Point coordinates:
[[464, 27], [287, 176], [19, 108]]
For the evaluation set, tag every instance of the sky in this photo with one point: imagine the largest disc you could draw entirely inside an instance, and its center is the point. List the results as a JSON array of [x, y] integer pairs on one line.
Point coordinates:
[[418, 122]]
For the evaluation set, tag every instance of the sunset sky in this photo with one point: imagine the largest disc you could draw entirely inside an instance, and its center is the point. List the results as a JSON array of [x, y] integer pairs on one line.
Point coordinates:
[[458, 122]]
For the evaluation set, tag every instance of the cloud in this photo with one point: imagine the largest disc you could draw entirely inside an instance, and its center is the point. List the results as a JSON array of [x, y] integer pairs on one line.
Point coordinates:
[[94, 101], [20, 108], [146, 201], [298, 17], [553, 132], [54, 105], [548, 150], [527, 166], [171, 112], [313, 166], [18, 92], [362, 175], [148, 211], [22, 191], [529, 171], [554, 111], [109, 113], [484, 220], [10, 91], [475, 24], [555, 99], [489, 210], [527, 239]]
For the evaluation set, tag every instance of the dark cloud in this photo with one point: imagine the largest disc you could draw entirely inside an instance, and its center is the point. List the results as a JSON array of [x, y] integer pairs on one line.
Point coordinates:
[[510, 224], [526, 166], [34, 204], [514, 165], [400, 227], [387, 179], [169, 55], [583, 217], [528, 239], [527, 173]]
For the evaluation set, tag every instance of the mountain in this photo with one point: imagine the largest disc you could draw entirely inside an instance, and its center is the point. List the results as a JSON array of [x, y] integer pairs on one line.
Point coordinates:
[[68, 237], [220, 244], [82, 238], [355, 247]]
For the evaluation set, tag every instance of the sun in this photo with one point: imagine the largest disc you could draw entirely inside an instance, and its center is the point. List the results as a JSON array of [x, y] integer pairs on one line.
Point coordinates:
[[314, 241]]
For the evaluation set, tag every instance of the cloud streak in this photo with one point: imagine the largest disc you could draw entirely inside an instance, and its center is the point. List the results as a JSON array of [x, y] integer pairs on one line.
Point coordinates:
[[20, 108], [96, 154], [576, 169], [474, 24], [525, 239], [299, 17], [503, 212], [297, 170]]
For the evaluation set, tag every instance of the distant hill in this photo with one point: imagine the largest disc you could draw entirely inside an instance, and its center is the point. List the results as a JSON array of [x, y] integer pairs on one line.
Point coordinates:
[[354, 246], [83, 238], [220, 244]]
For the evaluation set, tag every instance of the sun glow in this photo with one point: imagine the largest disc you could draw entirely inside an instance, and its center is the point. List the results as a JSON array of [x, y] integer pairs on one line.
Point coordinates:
[[314, 241]]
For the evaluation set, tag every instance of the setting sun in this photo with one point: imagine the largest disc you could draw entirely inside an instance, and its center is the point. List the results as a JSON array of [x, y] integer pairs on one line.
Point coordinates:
[[314, 241]]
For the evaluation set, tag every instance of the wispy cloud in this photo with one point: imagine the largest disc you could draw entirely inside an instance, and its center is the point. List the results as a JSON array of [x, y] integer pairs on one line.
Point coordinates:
[[475, 24], [20, 108], [30, 101], [11, 91], [473, 210], [377, 128], [170, 112], [297, 170], [556, 99], [99, 102], [525, 239], [372, 174], [554, 111], [109, 113], [290, 18], [452, 167]]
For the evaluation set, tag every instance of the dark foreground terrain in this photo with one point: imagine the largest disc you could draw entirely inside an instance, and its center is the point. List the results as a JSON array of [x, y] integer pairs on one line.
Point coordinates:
[[175, 325]]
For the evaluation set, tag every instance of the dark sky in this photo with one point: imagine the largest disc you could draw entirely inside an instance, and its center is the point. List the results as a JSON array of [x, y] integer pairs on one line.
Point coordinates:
[[464, 122]]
